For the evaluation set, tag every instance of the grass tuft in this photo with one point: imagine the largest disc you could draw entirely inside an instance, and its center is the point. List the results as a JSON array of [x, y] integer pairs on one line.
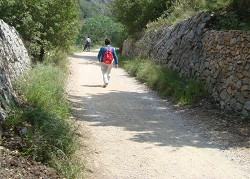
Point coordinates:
[[43, 88], [49, 136], [166, 82]]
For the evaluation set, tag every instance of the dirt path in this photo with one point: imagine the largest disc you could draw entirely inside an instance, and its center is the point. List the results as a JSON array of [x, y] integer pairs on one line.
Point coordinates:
[[131, 133]]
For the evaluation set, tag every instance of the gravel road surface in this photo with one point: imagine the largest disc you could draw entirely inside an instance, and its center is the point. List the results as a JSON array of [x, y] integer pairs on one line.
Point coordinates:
[[129, 132]]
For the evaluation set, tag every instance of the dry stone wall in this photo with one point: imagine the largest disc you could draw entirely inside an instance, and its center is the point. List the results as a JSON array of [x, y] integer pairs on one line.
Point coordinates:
[[221, 58], [14, 61], [226, 68]]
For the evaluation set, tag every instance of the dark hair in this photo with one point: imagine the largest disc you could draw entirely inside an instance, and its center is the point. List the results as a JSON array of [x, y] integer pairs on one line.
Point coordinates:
[[107, 41]]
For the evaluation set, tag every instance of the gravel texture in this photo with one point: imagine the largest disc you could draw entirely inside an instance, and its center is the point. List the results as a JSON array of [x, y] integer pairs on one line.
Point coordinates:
[[129, 132]]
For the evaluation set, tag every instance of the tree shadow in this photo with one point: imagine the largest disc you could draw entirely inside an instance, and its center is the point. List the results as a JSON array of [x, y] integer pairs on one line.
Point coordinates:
[[93, 86], [83, 56], [88, 60], [154, 120]]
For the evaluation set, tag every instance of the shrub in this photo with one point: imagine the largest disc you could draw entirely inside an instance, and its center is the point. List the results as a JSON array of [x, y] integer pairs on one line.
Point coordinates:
[[232, 20], [49, 137], [183, 9]]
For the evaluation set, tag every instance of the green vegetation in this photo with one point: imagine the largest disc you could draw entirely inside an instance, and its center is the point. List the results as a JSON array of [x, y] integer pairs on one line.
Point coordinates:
[[154, 13], [42, 24], [100, 27], [165, 82], [134, 15], [48, 29], [92, 8], [232, 20], [43, 88], [241, 6], [184, 9], [229, 14], [98, 23], [49, 137]]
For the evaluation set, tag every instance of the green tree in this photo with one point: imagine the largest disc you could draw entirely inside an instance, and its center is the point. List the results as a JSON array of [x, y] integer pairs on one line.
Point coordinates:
[[100, 27], [44, 25], [91, 8], [136, 14]]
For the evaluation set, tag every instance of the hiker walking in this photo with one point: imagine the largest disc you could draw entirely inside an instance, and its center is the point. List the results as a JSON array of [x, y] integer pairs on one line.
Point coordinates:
[[87, 44], [106, 56]]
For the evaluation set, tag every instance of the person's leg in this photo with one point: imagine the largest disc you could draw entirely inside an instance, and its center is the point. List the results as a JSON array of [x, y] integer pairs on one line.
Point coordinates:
[[109, 70], [104, 68]]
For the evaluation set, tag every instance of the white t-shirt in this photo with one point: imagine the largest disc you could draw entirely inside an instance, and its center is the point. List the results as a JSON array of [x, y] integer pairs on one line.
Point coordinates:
[[88, 40]]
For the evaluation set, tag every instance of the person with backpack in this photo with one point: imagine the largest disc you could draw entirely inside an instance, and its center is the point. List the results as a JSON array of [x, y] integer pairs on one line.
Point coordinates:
[[107, 56]]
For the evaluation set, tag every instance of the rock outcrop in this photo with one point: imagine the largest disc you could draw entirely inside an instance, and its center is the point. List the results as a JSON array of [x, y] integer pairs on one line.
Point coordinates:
[[14, 61]]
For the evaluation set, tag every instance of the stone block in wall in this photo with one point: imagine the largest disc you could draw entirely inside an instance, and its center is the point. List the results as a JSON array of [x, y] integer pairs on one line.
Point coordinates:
[[247, 105]]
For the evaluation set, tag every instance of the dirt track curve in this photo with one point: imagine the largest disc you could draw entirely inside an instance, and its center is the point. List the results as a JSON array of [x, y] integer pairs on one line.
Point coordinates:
[[130, 133]]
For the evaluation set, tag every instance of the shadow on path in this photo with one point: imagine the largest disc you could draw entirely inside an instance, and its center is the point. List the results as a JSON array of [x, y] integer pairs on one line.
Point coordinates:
[[93, 86], [84, 56], [154, 121]]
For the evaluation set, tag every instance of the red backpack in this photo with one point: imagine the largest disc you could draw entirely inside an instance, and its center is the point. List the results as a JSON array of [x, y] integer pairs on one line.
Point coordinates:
[[108, 56]]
